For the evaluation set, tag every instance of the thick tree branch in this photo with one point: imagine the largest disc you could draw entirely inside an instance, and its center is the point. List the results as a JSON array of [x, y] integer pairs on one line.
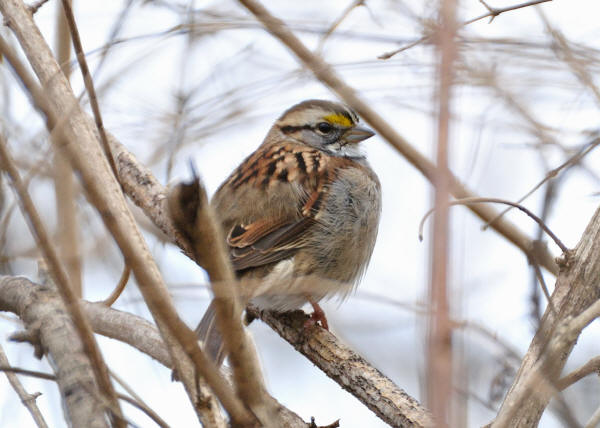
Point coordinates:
[[16, 293], [57, 336], [576, 301], [349, 370]]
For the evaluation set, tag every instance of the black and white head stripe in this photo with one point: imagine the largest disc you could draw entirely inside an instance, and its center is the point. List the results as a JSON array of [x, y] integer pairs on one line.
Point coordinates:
[[307, 113]]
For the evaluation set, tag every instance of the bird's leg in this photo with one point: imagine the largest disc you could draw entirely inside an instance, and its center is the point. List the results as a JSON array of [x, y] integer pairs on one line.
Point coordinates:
[[317, 316]]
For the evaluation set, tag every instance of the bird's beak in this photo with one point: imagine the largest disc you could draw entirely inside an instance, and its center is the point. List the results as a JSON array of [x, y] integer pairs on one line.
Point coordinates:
[[357, 134]]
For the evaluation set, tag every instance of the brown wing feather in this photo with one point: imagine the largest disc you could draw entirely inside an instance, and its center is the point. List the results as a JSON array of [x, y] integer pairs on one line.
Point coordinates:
[[279, 244], [268, 240]]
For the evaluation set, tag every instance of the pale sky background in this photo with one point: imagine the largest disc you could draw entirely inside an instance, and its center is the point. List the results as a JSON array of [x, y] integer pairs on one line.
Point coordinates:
[[490, 278]]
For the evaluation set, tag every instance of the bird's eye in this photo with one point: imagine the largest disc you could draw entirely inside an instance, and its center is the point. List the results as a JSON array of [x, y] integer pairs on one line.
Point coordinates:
[[324, 127]]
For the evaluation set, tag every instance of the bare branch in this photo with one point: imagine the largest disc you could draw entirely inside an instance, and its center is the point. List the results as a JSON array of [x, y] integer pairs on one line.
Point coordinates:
[[349, 370], [57, 335], [492, 13], [575, 299], [468, 201], [592, 366], [27, 399], [193, 215]]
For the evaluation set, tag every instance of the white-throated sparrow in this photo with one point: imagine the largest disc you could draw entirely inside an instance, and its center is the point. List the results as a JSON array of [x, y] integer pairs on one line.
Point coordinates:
[[305, 204]]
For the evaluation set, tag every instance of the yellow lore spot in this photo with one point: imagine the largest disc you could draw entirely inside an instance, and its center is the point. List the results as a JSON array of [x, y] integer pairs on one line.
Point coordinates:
[[338, 119]]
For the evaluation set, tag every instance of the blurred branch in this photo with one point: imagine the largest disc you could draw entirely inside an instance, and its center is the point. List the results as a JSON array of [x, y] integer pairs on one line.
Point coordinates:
[[492, 13], [27, 399], [439, 364], [194, 217], [64, 188], [575, 299], [348, 369], [329, 77], [563, 51]]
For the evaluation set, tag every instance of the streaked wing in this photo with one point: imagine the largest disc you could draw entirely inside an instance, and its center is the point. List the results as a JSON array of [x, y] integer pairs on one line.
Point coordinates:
[[268, 240], [273, 246]]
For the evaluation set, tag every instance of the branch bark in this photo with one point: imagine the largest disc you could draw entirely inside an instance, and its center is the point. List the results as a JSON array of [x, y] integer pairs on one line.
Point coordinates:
[[349, 370], [57, 336], [575, 298], [42, 302]]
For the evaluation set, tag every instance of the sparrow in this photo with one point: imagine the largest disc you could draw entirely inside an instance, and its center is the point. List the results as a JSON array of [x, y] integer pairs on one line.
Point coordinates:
[[305, 204]]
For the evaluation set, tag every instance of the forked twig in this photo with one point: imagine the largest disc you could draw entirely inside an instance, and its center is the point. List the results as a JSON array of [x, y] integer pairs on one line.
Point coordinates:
[[550, 175], [492, 13]]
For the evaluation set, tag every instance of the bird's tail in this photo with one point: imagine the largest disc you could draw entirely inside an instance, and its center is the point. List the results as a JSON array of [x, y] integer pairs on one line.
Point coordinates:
[[210, 336]]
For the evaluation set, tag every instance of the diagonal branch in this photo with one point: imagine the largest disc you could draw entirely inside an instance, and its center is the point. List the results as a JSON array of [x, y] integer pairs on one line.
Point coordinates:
[[349, 370], [576, 301], [27, 399]]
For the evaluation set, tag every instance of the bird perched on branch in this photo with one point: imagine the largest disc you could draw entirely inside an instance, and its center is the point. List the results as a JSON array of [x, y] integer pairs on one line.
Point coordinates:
[[305, 205]]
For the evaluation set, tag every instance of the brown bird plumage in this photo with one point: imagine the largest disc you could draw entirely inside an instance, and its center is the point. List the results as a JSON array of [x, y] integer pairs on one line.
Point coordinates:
[[304, 204]]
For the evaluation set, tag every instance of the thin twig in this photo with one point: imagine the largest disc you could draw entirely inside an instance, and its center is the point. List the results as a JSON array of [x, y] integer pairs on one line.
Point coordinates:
[[592, 366], [468, 201], [89, 84], [573, 160], [110, 300], [137, 401], [134, 401], [36, 6], [27, 399], [492, 13], [542, 282], [337, 22]]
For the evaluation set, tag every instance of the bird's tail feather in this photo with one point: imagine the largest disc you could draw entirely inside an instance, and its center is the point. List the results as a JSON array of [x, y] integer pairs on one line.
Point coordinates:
[[210, 336]]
